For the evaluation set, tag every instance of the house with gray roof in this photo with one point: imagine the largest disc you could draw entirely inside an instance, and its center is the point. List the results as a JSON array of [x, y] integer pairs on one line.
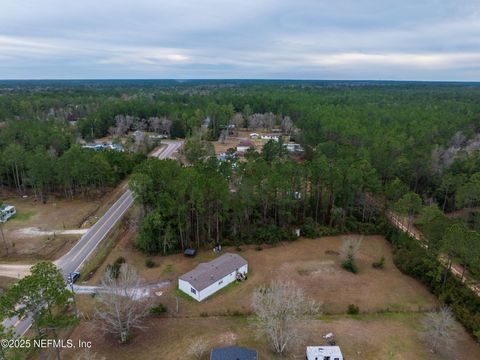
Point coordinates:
[[207, 278]]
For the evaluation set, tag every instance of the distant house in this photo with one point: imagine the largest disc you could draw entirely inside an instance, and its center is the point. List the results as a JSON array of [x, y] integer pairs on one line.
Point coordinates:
[[254, 136], [293, 147], [233, 353], [244, 145], [270, 137], [208, 278], [324, 353], [6, 212]]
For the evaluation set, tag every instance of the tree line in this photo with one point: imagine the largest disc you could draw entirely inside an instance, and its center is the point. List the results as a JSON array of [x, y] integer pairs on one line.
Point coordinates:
[[41, 156], [262, 199]]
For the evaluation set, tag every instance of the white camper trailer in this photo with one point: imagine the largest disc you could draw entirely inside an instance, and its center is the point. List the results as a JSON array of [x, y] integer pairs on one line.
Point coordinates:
[[6, 212]]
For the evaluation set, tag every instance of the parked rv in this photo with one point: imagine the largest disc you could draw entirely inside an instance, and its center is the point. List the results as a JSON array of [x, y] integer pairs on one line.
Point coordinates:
[[6, 212]]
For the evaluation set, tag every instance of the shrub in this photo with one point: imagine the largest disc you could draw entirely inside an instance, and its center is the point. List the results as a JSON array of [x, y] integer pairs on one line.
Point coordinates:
[[379, 263], [349, 265], [158, 309], [258, 248], [114, 269], [310, 229], [353, 309], [149, 263]]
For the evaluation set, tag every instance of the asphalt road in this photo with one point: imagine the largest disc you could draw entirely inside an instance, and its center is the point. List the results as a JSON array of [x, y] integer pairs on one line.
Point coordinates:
[[80, 252]]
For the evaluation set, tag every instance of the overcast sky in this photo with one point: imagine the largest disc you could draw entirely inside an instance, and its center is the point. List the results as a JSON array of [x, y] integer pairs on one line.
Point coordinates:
[[267, 39]]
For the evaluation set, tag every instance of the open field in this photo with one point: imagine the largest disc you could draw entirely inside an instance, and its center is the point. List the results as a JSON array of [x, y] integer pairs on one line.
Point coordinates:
[[372, 337], [36, 230], [233, 140], [307, 263], [391, 303]]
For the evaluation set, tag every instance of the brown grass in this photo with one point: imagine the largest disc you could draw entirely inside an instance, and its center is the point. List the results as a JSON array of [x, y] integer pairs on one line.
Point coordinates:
[[233, 141], [309, 263], [374, 335], [56, 214]]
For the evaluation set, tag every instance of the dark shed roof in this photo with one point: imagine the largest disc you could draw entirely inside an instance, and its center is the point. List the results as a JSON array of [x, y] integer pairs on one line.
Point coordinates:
[[206, 274], [233, 353], [190, 252]]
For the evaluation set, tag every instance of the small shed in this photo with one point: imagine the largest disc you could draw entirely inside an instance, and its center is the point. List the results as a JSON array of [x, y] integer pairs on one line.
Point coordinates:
[[190, 252], [233, 353]]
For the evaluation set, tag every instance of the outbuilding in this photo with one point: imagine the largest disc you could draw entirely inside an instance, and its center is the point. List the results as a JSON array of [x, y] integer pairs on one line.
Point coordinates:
[[324, 353], [233, 353], [244, 145], [207, 278], [190, 252]]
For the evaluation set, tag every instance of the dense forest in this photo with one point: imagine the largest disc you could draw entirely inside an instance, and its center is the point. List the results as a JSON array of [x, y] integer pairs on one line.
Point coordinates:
[[412, 145]]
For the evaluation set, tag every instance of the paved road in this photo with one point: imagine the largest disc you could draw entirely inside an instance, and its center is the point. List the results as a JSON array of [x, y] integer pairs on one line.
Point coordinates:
[[80, 252]]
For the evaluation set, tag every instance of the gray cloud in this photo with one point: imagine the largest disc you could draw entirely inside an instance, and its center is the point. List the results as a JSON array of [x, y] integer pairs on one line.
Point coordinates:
[[343, 39]]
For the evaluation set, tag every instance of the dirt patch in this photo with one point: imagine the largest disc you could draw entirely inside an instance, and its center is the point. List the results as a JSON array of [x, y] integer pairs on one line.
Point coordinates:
[[46, 231], [233, 140]]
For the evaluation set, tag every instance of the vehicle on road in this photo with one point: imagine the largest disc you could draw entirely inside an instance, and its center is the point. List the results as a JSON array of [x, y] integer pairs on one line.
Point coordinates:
[[72, 277]]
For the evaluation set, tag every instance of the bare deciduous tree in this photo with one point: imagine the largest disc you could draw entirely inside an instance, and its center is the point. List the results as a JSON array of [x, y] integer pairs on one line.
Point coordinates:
[[287, 125], [350, 247], [278, 306], [439, 330], [197, 347], [120, 310]]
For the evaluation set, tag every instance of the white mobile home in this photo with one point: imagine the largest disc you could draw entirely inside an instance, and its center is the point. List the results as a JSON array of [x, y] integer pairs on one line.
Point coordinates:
[[324, 353], [6, 212], [207, 278]]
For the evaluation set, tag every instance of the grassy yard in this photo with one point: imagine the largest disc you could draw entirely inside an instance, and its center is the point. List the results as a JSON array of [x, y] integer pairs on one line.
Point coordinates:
[[310, 263], [55, 215], [392, 305], [372, 337]]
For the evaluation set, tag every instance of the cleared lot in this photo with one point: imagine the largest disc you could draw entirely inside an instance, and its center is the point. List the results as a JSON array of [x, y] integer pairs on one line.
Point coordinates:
[[391, 303], [310, 263], [42, 231]]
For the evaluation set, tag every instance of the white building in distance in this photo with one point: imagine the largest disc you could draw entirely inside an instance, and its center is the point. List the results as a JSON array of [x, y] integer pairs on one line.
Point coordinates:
[[207, 278]]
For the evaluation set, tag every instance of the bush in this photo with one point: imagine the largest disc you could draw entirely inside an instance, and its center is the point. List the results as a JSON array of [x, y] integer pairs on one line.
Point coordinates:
[[269, 234], [149, 263], [158, 309], [353, 309], [258, 248], [114, 269], [310, 229], [379, 263], [349, 265]]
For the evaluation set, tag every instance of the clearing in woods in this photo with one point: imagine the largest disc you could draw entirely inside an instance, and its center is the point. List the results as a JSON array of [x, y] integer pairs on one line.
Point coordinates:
[[392, 304]]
